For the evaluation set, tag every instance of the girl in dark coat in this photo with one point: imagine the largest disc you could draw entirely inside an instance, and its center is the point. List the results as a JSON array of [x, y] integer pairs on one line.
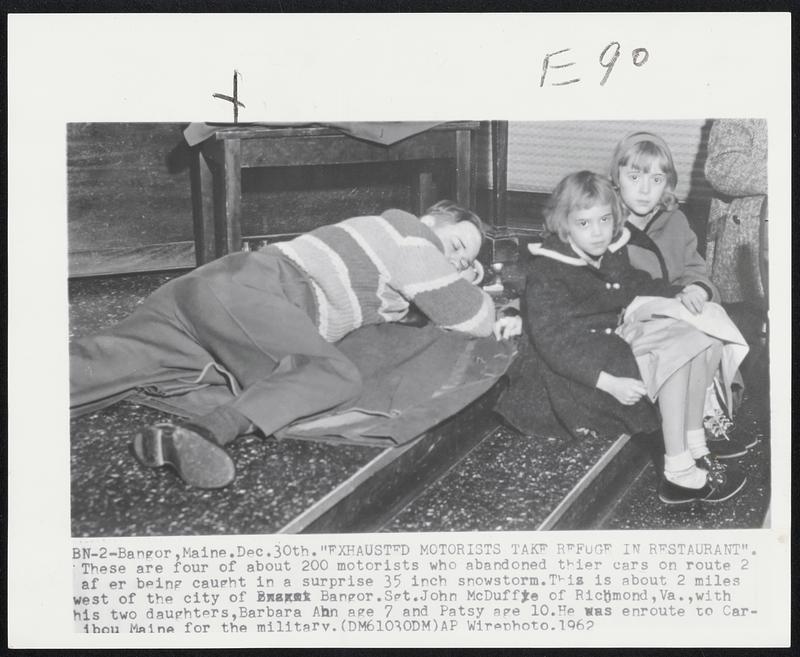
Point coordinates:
[[577, 286]]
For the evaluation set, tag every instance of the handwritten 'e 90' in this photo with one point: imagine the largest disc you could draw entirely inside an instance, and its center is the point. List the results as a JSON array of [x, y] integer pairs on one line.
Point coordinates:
[[607, 60]]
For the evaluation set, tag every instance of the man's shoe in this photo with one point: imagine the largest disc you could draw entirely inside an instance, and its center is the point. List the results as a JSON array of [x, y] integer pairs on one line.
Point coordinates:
[[721, 485], [189, 449]]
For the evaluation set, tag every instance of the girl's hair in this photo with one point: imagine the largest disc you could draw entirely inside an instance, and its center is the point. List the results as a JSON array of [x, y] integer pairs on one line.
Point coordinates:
[[642, 150], [579, 191], [448, 212]]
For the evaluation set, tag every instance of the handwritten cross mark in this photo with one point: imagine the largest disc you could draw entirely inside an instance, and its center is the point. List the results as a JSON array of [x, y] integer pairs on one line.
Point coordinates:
[[235, 98]]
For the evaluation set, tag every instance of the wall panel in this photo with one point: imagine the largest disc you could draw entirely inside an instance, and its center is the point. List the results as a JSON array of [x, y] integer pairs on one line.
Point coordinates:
[[541, 153]]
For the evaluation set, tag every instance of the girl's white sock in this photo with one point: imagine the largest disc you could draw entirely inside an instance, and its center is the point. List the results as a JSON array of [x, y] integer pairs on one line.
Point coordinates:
[[696, 439], [681, 470]]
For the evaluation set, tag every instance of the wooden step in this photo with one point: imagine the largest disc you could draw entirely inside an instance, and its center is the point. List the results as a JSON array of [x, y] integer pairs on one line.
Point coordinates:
[[388, 483], [596, 493], [513, 482]]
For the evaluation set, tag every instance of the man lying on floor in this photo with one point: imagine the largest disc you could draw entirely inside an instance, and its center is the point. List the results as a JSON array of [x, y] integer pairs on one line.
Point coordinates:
[[264, 323]]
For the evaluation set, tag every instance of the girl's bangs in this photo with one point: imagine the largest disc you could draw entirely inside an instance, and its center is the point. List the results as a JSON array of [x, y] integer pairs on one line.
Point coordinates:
[[644, 156], [596, 196]]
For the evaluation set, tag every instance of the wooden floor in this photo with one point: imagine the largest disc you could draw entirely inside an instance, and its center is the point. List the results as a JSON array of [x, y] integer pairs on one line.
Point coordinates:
[[468, 474]]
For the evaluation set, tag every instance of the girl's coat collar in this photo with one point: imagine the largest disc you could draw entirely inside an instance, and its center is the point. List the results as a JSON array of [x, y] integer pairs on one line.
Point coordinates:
[[569, 254]]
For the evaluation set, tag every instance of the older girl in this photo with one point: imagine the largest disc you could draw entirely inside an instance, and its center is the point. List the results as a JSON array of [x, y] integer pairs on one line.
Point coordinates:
[[664, 245]]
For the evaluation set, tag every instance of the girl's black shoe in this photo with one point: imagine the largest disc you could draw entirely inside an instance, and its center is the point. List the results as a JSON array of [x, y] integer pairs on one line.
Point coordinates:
[[721, 484], [710, 463]]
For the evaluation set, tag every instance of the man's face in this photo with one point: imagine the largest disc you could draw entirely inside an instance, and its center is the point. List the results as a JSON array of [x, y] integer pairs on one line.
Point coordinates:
[[461, 241]]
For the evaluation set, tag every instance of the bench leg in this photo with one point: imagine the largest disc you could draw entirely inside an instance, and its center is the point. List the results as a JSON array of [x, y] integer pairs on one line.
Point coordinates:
[[465, 169], [202, 208], [505, 246], [422, 190], [499, 171], [228, 197]]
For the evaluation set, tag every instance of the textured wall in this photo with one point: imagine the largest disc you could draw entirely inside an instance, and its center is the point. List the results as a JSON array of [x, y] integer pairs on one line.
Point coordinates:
[[541, 153], [128, 186]]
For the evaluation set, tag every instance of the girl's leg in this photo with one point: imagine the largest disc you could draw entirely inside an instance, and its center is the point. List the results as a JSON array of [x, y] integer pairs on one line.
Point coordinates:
[[701, 373], [672, 403], [681, 403], [679, 465]]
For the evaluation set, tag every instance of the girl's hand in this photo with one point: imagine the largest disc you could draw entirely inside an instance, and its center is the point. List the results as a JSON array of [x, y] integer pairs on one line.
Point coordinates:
[[508, 327], [693, 297], [626, 391]]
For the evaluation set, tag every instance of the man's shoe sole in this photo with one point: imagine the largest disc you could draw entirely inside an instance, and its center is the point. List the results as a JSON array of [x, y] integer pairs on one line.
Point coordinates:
[[200, 462]]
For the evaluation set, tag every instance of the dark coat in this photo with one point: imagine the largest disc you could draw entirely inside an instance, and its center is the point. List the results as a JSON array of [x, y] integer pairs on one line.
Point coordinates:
[[571, 309]]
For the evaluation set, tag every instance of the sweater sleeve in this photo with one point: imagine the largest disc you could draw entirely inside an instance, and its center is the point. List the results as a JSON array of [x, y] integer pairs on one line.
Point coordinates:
[[731, 168], [456, 305], [419, 271], [554, 325]]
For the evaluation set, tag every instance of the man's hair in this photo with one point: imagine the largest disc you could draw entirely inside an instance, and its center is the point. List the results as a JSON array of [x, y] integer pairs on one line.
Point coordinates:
[[579, 191], [448, 212], [641, 151]]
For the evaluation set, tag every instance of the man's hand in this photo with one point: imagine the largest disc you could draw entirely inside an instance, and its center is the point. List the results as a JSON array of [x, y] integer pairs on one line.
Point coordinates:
[[693, 297], [473, 273], [626, 391], [508, 327]]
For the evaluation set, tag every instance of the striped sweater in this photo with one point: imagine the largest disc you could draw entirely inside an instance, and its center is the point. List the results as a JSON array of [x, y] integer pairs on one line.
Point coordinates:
[[366, 270]]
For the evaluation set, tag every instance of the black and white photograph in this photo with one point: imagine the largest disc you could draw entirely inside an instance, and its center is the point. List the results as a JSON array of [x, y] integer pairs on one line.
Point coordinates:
[[399, 330], [207, 400]]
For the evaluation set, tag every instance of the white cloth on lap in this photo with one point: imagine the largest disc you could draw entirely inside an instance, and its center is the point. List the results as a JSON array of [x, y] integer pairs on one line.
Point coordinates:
[[675, 335]]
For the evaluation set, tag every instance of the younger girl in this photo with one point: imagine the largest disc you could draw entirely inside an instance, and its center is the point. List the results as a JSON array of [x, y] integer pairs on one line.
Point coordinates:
[[578, 282], [665, 246]]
